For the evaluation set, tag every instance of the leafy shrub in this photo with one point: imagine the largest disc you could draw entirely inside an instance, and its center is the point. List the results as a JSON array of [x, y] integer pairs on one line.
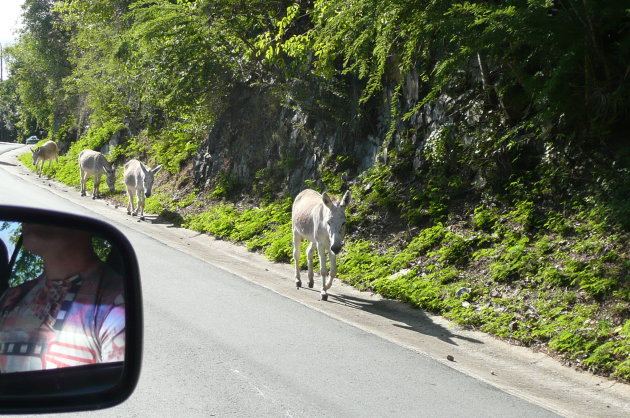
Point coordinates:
[[158, 203], [98, 136], [173, 147], [278, 245], [455, 250], [224, 186], [513, 263], [361, 265], [558, 223], [484, 219], [218, 221], [554, 276], [427, 203], [427, 239], [524, 215], [333, 182], [377, 190]]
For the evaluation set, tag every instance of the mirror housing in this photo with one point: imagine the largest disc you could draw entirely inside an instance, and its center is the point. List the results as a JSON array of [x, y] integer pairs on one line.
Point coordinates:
[[83, 387]]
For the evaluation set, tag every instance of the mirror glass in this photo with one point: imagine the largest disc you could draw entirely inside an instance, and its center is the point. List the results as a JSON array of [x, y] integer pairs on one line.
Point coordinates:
[[62, 299]]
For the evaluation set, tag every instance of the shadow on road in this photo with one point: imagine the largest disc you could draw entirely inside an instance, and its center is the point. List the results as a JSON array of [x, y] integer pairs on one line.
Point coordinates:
[[405, 317], [166, 217]]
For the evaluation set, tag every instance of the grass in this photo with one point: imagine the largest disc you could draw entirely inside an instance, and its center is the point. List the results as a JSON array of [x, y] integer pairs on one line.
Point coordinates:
[[266, 228], [67, 171], [554, 282], [557, 281]]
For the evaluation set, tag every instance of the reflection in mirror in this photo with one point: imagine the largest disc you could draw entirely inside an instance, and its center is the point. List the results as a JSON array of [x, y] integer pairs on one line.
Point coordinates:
[[61, 298], [21, 266]]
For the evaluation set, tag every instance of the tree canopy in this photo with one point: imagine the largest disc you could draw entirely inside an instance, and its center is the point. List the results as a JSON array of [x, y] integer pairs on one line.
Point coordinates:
[[545, 65]]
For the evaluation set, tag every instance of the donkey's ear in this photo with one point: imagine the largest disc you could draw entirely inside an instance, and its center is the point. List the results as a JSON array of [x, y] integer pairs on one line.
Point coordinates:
[[156, 169], [327, 200], [345, 200]]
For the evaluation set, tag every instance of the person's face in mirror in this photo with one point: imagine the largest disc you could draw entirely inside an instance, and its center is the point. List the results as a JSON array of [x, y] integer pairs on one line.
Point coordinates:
[[43, 239], [64, 251], [73, 313]]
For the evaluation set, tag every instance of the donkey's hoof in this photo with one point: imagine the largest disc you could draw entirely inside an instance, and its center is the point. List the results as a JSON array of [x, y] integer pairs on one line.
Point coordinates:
[[325, 297], [298, 284], [142, 218], [310, 285]]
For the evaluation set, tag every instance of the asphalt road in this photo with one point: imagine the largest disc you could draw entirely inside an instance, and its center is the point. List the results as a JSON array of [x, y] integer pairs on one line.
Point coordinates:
[[227, 334]]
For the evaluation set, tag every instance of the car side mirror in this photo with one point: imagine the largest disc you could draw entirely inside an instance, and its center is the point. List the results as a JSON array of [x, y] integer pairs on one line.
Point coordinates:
[[70, 313]]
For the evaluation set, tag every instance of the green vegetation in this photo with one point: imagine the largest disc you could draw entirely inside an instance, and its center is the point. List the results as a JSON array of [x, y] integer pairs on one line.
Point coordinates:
[[528, 278], [267, 228], [66, 169], [498, 197]]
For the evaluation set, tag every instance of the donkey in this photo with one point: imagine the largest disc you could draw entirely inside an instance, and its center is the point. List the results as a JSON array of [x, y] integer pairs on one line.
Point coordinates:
[[139, 181], [93, 162], [319, 219], [46, 152]]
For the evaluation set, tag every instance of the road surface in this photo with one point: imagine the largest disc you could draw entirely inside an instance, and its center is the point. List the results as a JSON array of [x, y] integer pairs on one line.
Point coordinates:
[[227, 334]]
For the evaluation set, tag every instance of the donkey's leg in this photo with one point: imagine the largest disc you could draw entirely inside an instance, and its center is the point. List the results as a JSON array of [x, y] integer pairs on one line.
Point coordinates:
[[134, 210], [83, 180], [97, 181], [140, 204], [297, 241], [321, 252], [309, 255], [333, 269], [130, 207]]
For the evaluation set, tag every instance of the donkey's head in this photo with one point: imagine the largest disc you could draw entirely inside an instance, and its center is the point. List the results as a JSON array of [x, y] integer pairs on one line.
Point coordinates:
[[110, 177], [149, 176], [335, 219], [35, 152]]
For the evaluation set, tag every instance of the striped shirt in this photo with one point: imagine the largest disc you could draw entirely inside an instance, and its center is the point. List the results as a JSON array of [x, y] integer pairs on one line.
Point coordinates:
[[47, 324]]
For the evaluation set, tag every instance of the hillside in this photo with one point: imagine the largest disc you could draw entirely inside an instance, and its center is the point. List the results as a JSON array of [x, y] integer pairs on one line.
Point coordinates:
[[489, 166]]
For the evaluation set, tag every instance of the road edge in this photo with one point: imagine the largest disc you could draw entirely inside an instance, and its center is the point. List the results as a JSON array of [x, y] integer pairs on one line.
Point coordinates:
[[516, 370]]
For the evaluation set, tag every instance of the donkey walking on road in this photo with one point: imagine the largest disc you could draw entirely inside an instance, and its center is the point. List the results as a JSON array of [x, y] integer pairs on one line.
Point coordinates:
[[319, 219], [138, 179], [47, 152], [94, 163]]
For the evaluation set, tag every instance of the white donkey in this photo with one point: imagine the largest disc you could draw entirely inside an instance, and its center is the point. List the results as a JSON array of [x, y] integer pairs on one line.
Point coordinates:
[[94, 163], [319, 219], [46, 152], [139, 181]]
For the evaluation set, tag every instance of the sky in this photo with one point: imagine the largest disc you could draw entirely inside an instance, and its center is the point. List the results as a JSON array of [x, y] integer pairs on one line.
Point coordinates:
[[10, 12], [7, 233]]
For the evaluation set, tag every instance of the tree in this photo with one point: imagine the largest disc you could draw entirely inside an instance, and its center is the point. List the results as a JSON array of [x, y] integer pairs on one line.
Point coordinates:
[[39, 64], [9, 115]]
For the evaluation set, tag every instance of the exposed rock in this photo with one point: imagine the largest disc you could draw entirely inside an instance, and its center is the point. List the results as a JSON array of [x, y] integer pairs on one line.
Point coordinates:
[[462, 291], [292, 139]]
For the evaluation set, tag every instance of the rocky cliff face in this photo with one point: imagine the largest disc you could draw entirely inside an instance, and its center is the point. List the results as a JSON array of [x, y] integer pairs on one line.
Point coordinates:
[[261, 130]]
